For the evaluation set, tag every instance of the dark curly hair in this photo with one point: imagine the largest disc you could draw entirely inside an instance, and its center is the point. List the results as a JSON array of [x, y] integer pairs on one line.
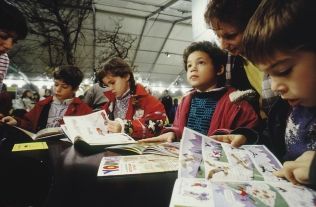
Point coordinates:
[[218, 56]]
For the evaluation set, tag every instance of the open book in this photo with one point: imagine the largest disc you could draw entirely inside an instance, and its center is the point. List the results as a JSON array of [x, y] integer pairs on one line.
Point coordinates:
[[92, 129], [47, 133], [136, 164], [167, 149], [215, 174]]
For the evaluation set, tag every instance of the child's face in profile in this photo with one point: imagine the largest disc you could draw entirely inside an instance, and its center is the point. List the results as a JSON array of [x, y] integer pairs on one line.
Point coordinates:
[[63, 91], [118, 85], [294, 77], [201, 73]]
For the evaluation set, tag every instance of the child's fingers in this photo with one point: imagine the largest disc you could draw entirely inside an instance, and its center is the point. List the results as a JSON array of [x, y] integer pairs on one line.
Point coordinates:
[[238, 140], [288, 172], [221, 138], [153, 139], [279, 173]]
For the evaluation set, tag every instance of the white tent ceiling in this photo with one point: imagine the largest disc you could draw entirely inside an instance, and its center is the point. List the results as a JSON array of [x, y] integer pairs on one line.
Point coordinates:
[[162, 29]]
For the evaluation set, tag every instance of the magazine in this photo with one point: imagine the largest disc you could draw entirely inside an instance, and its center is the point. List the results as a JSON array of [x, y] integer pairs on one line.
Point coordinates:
[[212, 173], [92, 129], [167, 149], [200, 192], [136, 164]]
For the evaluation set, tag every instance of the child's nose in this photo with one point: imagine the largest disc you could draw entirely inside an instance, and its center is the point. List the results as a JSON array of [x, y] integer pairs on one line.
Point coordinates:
[[278, 86]]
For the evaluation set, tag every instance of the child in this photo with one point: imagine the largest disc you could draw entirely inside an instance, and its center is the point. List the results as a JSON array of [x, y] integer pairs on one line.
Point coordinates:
[[133, 110], [12, 28], [228, 19], [208, 109], [278, 40], [50, 111]]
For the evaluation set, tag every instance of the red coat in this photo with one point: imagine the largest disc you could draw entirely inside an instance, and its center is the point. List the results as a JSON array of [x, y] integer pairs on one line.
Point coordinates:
[[30, 120], [143, 119], [227, 115]]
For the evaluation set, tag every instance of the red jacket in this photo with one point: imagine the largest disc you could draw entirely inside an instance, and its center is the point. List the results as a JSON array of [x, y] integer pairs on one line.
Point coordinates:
[[30, 120], [227, 116], [145, 116]]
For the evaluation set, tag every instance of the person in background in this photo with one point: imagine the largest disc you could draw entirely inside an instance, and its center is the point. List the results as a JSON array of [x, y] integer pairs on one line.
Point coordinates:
[[27, 100], [173, 110], [6, 102], [47, 93], [131, 109], [208, 108], [228, 19], [166, 100], [36, 97], [50, 111], [13, 27], [95, 97]]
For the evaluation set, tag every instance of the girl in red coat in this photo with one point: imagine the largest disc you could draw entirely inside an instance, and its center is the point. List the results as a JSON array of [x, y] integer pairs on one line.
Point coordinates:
[[50, 111], [131, 109]]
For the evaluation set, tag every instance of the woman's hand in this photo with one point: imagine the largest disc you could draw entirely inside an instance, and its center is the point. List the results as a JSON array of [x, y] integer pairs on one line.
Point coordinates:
[[166, 137], [236, 140]]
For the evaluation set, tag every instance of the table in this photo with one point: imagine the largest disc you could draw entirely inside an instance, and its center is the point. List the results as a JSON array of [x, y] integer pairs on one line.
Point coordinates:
[[67, 176]]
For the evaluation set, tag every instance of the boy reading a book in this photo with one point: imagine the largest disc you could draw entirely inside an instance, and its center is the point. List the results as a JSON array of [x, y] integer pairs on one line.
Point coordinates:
[[207, 108], [50, 111], [277, 40], [130, 108]]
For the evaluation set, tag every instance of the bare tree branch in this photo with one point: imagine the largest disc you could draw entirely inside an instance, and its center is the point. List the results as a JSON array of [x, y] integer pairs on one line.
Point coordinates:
[[59, 23], [116, 44]]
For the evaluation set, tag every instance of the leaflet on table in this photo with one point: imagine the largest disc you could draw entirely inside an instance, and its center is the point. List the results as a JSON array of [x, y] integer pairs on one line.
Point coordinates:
[[200, 192], [136, 164], [201, 156], [92, 129]]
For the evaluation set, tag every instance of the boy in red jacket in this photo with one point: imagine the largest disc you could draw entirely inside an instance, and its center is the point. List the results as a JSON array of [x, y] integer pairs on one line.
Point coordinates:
[[208, 108], [50, 111]]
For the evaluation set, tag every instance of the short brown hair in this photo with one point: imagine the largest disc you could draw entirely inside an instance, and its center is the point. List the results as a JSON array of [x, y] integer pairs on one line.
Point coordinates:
[[280, 26], [70, 74]]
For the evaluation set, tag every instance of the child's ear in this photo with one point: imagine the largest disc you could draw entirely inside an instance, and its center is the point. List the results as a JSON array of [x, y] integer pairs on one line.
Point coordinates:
[[221, 70], [127, 77]]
